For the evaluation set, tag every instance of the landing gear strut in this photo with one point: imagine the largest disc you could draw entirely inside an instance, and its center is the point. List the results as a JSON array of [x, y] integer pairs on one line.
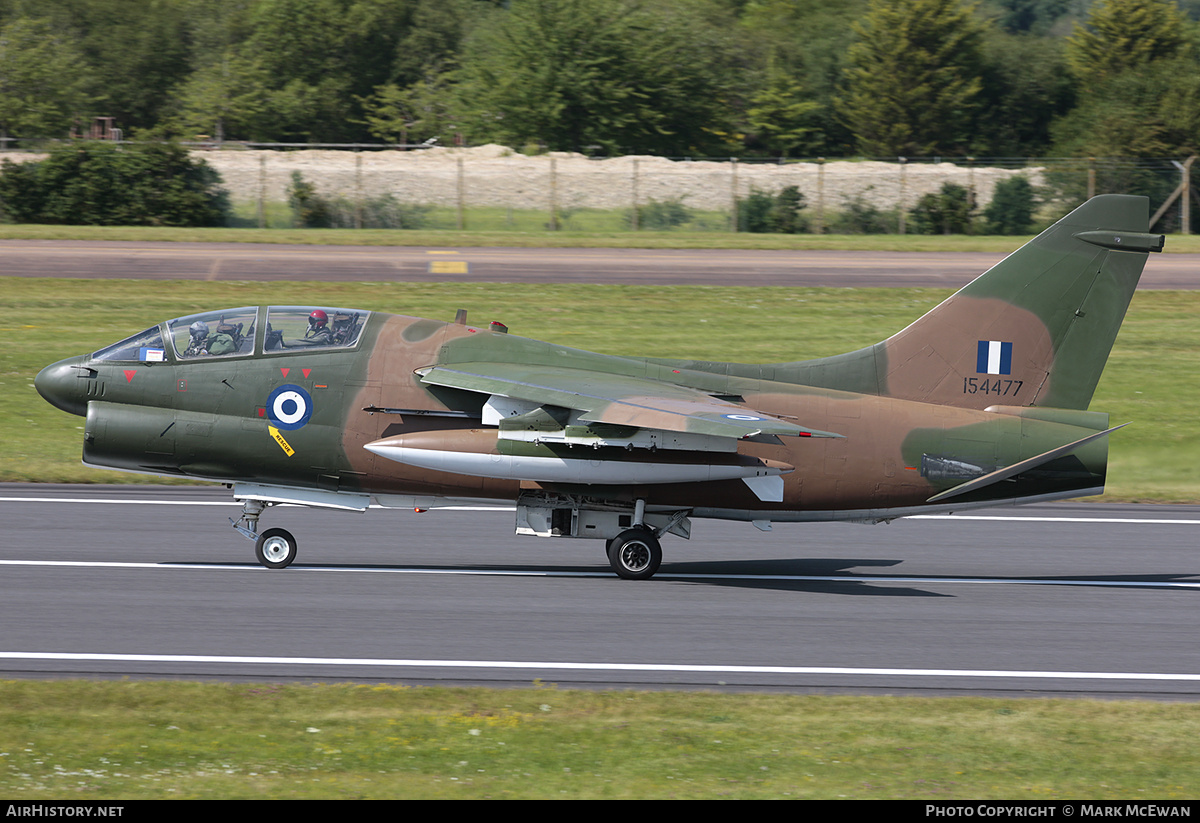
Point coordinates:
[[274, 548]]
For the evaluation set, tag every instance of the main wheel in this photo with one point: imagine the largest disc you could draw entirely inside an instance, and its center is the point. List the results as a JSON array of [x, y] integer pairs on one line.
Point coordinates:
[[635, 554], [275, 548]]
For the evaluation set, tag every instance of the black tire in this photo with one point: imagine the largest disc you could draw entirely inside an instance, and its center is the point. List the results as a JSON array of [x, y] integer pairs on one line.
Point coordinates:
[[635, 554], [275, 548]]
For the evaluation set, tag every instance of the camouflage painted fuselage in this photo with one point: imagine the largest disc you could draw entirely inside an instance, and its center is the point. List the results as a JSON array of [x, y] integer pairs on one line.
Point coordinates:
[[208, 419]]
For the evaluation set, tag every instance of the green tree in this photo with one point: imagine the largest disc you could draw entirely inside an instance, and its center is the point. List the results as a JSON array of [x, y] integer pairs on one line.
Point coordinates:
[[101, 184], [948, 211], [1026, 87], [859, 216], [433, 42], [1150, 111], [228, 97], [573, 74], [321, 57], [913, 84], [409, 115], [1120, 35], [782, 116], [780, 213], [41, 80], [811, 38], [1035, 16], [1011, 209], [131, 53]]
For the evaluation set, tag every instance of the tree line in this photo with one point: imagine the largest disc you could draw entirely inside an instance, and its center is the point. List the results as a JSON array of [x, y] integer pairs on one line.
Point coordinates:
[[773, 78]]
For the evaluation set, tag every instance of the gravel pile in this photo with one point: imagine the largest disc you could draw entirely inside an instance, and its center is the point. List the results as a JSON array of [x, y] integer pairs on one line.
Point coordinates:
[[497, 176]]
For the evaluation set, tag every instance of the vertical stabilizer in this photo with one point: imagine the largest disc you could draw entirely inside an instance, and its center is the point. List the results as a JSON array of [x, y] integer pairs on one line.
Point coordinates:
[[1034, 330]]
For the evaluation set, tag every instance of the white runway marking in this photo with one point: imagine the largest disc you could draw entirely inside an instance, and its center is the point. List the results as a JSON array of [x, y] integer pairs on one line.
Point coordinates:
[[1045, 519], [105, 500], [117, 501], [571, 666], [662, 575], [1032, 518]]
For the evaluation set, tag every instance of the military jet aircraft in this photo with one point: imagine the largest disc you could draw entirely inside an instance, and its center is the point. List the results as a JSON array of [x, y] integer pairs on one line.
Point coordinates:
[[981, 401]]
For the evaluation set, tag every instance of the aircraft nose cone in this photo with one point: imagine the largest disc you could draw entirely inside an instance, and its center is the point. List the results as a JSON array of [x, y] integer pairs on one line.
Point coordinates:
[[62, 385]]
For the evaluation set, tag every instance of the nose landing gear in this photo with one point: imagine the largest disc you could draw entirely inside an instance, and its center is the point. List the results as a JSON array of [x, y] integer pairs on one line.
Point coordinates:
[[274, 548]]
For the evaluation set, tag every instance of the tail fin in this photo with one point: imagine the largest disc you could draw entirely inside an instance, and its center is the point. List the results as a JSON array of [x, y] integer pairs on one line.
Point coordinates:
[[1034, 330]]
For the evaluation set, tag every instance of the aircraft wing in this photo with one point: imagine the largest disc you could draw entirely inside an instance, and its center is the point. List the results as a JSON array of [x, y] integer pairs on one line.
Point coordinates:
[[617, 399]]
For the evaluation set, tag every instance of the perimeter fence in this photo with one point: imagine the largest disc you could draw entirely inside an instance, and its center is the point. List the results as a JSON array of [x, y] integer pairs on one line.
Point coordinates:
[[491, 188]]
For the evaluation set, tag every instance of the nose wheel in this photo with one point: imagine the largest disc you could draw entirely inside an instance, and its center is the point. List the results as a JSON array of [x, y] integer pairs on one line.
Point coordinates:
[[275, 548]]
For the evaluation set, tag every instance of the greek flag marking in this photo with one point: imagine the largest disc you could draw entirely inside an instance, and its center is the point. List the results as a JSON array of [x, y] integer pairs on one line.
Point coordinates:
[[994, 357]]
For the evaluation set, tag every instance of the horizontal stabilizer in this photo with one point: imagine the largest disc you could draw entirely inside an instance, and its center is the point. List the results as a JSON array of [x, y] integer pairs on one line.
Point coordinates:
[[1017, 468]]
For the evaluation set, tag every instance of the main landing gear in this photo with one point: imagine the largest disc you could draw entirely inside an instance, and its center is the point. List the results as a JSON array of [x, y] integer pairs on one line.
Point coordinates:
[[635, 554], [631, 528], [274, 548]]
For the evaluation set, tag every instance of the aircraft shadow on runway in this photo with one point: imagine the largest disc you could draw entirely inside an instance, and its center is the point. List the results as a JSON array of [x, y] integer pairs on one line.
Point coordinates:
[[773, 574], [796, 575]]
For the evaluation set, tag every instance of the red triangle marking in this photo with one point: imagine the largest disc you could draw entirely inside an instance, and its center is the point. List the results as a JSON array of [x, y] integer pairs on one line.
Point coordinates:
[[306, 372], [285, 371], [129, 373]]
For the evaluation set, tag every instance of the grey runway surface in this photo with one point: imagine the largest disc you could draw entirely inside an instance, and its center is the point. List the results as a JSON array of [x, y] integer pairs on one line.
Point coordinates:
[[1069, 599], [263, 262]]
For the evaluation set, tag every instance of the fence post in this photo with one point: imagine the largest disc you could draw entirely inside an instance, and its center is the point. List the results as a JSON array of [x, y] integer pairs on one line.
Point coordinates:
[[1184, 190], [262, 190], [820, 227], [903, 160], [972, 199], [553, 195], [633, 221], [1185, 212], [733, 206], [1091, 177], [358, 193], [462, 222]]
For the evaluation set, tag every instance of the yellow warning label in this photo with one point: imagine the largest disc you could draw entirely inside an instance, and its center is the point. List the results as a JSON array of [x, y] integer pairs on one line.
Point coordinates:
[[448, 267], [283, 444]]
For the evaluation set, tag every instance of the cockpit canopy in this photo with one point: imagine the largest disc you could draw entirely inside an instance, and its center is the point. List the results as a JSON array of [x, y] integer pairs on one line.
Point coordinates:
[[234, 333]]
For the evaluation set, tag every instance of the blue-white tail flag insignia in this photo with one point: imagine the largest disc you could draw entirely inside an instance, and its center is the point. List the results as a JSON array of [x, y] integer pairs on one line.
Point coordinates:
[[994, 357]]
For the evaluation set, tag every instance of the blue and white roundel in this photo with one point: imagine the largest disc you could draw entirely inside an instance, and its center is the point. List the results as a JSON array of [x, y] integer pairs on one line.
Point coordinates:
[[289, 407], [748, 418]]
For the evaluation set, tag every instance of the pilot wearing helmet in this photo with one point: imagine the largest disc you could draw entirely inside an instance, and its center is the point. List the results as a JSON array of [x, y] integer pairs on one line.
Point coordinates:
[[319, 333], [197, 340]]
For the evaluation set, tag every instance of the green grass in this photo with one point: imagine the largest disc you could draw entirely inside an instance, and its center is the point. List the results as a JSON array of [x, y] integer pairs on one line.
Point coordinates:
[[482, 230], [1150, 379], [129, 740]]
